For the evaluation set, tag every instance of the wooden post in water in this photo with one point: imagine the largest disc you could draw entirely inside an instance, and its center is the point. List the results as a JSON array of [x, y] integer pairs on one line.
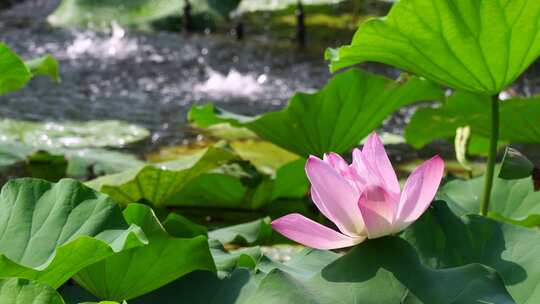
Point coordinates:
[[186, 18], [239, 30], [300, 25]]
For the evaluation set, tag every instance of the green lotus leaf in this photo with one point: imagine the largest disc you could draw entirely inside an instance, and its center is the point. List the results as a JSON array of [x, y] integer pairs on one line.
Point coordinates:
[[15, 73], [181, 227], [105, 302], [234, 281], [227, 261], [18, 159], [156, 184], [475, 45], [133, 12], [265, 156], [89, 134], [386, 270], [12, 153], [518, 119], [515, 165], [304, 264], [82, 12], [511, 200], [51, 231], [47, 166], [255, 232], [199, 287], [45, 66], [97, 161], [228, 189], [336, 118], [213, 190], [21, 291], [210, 289], [291, 181], [223, 7], [85, 12], [137, 271], [445, 240]]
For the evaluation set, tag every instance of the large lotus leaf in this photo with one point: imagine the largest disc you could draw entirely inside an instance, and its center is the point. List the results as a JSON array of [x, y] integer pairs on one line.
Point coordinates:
[[15, 73], [199, 287], [132, 12], [21, 291], [132, 273], [205, 288], [336, 118], [386, 270], [90, 134], [512, 200], [240, 283], [475, 45], [155, 184], [51, 231], [255, 232], [446, 240], [518, 119]]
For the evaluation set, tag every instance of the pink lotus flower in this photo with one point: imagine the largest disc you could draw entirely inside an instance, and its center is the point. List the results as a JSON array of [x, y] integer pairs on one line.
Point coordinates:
[[363, 200]]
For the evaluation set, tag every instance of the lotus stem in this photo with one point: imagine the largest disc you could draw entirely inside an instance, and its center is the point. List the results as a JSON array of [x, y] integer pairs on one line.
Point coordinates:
[[492, 156]]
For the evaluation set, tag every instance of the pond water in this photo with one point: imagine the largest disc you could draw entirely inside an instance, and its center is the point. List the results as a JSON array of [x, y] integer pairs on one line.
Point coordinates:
[[153, 78]]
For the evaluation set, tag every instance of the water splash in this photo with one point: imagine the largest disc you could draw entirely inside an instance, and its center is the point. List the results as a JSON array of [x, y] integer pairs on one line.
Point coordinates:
[[114, 46], [232, 84]]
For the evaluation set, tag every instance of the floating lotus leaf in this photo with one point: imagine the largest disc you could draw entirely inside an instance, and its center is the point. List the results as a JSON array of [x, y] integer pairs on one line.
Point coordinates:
[[51, 231]]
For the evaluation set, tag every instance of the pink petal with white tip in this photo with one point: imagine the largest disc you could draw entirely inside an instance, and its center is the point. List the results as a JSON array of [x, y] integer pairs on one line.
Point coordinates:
[[376, 158], [419, 191], [335, 196], [337, 162], [312, 234]]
